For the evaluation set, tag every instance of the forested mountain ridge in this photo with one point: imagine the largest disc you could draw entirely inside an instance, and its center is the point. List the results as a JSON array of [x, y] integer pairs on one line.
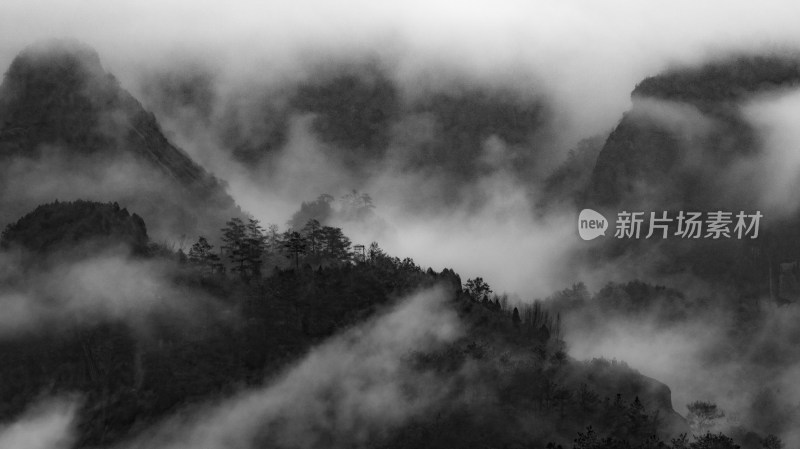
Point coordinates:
[[247, 326]]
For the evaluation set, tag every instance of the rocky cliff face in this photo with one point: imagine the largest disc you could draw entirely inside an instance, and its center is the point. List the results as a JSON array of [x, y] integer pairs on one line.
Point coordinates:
[[684, 133], [685, 128], [58, 103], [686, 144]]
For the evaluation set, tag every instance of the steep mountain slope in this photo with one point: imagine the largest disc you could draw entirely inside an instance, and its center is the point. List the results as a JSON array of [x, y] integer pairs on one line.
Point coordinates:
[[684, 130], [687, 144], [62, 116]]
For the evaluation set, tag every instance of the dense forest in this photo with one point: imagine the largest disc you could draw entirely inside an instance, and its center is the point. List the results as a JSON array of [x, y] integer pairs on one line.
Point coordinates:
[[265, 298]]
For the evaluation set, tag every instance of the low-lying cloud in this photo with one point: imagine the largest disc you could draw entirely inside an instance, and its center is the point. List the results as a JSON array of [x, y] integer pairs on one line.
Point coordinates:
[[352, 389], [109, 286], [45, 425]]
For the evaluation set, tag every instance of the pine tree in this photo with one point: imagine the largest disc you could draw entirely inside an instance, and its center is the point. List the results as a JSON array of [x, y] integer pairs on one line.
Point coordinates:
[[703, 415], [255, 244], [638, 420], [375, 253], [234, 236], [312, 232], [478, 289], [336, 244], [294, 245], [202, 256], [273, 238], [357, 206]]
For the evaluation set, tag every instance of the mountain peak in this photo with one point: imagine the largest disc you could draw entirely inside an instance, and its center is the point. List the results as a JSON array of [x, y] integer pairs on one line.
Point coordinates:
[[51, 66], [54, 92], [57, 53], [57, 102]]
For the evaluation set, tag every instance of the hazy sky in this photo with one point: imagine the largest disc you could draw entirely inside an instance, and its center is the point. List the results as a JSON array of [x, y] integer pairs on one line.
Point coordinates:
[[588, 53]]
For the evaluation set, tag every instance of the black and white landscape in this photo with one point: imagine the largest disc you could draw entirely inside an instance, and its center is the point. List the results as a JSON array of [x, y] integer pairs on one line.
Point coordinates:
[[356, 224]]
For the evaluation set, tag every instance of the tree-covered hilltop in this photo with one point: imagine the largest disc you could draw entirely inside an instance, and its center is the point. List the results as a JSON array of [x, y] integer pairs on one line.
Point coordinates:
[[354, 206], [64, 225]]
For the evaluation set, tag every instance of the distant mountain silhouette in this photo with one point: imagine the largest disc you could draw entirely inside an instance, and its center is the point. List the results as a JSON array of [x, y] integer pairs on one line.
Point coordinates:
[[57, 100], [727, 80], [362, 116]]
